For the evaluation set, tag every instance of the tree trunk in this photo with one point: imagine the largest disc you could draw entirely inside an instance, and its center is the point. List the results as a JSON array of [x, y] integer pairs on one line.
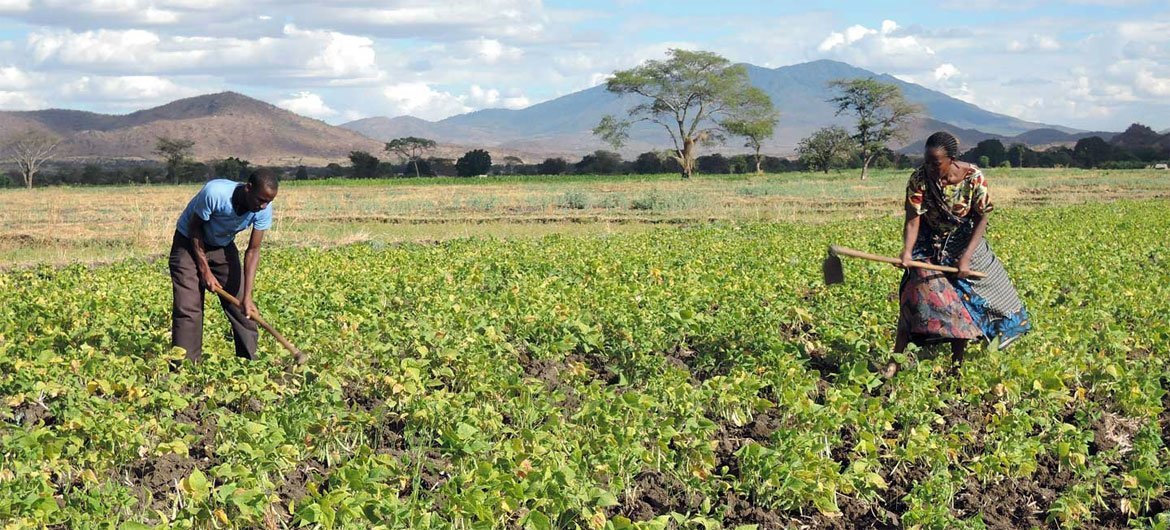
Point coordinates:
[[416, 173], [688, 158], [865, 165], [28, 178], [759, 162]]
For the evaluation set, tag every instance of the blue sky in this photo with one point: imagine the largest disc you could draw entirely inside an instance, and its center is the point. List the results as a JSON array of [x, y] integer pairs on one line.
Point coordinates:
[[1092, 64]]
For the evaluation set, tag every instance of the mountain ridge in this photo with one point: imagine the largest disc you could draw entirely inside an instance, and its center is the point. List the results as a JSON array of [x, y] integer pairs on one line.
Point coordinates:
[[799, 92]]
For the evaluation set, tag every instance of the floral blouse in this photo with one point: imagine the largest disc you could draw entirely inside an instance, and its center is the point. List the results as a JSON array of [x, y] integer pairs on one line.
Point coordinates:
[[961, 200]]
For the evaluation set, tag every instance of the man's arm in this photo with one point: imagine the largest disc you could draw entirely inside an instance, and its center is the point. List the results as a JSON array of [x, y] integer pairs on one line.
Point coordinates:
[[251, 262], [205, 274]]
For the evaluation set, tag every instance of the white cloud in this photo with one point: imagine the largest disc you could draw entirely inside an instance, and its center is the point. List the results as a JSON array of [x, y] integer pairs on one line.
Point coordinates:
[[480, 97], [12, 100], [492, 51], [1035, 43], [336, 55], [137, 89], [92, 14], [451, 19], [420, 100], [307, 104], [298, 53], [887, 48], [1153, 85], [13, 78], [945, 71]]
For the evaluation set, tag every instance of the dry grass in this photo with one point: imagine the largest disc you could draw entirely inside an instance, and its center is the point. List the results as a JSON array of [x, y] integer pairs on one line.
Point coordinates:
[[62, 225]]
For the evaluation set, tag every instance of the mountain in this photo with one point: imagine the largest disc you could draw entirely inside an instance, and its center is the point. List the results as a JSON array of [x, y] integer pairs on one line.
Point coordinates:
[[1136, 136], [1048, 137], [799, 92], [1140, 139], [222, 125]]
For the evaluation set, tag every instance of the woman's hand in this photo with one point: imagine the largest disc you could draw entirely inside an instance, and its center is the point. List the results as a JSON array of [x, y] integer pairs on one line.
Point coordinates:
[[905, 259], [964, 267]]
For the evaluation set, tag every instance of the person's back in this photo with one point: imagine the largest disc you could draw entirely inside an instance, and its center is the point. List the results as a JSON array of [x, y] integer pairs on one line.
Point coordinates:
[[221, 221]]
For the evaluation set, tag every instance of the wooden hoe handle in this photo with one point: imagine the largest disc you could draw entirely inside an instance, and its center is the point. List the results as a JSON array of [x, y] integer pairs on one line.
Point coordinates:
[[300, 357], [843, 251]]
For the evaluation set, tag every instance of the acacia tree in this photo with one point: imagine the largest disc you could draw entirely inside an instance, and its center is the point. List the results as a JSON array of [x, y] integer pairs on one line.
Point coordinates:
[[365, 165], [882, 114], [30, 150], [410, 149], [511, 162], [826, 148], [690, 95], [756, 122], [174, 152], [473, 163]]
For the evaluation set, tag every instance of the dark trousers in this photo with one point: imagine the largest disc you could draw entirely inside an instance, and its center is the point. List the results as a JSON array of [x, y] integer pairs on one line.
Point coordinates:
[[187, 309]]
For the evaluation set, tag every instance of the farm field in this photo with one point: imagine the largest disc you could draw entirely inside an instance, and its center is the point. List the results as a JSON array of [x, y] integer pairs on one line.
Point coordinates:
[[690, 376], [62, 225]]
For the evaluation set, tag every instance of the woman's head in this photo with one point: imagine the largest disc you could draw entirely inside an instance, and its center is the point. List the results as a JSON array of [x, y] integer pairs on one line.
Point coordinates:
[[941, 148]]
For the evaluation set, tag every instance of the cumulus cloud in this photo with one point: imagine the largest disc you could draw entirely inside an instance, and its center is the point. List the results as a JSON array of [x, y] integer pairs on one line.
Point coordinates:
[[14, 100], [307, 104], [480, 97], [91, 14], [1034, 43], [419, 99], [887, 47], [298, 53], [13, 78], [1151, 84], [492, 51], [422, 100], [137, 89]]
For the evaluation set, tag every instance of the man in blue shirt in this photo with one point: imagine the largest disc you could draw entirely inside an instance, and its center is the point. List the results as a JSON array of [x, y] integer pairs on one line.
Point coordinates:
[[204, 256]]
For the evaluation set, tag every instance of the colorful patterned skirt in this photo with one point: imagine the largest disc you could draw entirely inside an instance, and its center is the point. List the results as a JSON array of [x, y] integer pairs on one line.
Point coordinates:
[[940, 307]]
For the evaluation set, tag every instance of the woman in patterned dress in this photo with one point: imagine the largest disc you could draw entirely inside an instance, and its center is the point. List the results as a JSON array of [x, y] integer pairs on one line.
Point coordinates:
[[947, 206]]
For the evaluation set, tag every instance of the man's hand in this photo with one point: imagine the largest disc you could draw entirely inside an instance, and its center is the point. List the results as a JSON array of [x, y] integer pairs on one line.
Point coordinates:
[[964, 267], [209, 280], [250, 310]]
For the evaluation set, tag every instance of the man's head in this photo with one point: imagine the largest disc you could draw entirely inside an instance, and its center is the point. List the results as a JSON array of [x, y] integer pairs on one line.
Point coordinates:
[[260, 189]]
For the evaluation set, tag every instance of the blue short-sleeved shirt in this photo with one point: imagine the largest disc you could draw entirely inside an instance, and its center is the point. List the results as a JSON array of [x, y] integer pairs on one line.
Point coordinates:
[[213, 204]]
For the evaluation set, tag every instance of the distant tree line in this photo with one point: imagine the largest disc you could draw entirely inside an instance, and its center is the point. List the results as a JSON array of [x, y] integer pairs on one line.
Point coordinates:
[[826, 150], [1138, 147]]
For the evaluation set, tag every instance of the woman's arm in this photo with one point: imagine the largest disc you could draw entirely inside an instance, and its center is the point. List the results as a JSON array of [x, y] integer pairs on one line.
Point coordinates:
[[909, 236]]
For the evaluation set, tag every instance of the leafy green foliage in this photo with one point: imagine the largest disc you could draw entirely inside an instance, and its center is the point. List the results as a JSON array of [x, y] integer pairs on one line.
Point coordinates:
[[882, 114], [826, 148], [696, 96], [694, 377], [363, 164], [473, 163]]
